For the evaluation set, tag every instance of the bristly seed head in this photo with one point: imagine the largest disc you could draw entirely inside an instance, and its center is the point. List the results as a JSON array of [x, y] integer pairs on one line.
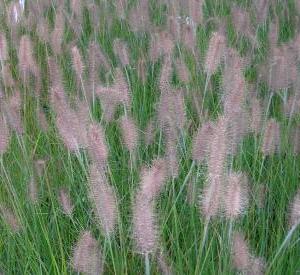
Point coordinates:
[[4, 134], [295, 210], [271, 138], [201, 142], [129, 133], [121, 50], [3, 48], [104, 200], [65, 201], [97, 147], [153, 179], [77, 62], [240, 252], [145, 231], [87, 256], [215, 52], [236, 195]]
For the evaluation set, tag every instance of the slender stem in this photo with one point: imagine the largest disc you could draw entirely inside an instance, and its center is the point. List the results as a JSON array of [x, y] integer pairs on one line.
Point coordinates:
[[187, 178], [261, 167], [284, 243], [204, 235], [230, 230], [181, 190], [108, 240], [292, 111], [205, 91], [147, 264], [204, 238]]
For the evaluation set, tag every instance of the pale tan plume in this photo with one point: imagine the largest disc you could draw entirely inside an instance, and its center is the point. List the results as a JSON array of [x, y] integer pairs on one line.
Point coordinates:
[[122, 88], [294, 218], [171, 110], [121, 50], [71, 125], [153, 179], [149, 134], [195, 11], [258, 266], [121, 6], [215, 52], [241, 255], [66, 120], [261, 10], [236, 195], [66, 132], [164, 81], [97, 147], [96, 58], [104, 200], [56, 37], [292, 106], [55, 75], [201, 141], [140, 23], [112, 96], [130, 133], [65, 201], [58, 99], [7, 78], [42, 120], [182, 70], [218, 150], [210, 199], [10, 218], [243, 260], [174, 27], [211, 196], [163, 264], [145, 231], [78, 65], [40, 167], [109, 101], [273, 34], [171, 155], [12, 112], [14, 14], [32, 190], [82, 112], [161, 44], [95, 13], [76, 7], [297, 2], [188, 37], [296, 46], [145, 228], [237, 129], [280, 71], [3, 48], [233, 83], [87, 257], [271, 138], [242, 23], [255, 115], [295, 140], [43, 30], [4, 134], [27, 63]]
